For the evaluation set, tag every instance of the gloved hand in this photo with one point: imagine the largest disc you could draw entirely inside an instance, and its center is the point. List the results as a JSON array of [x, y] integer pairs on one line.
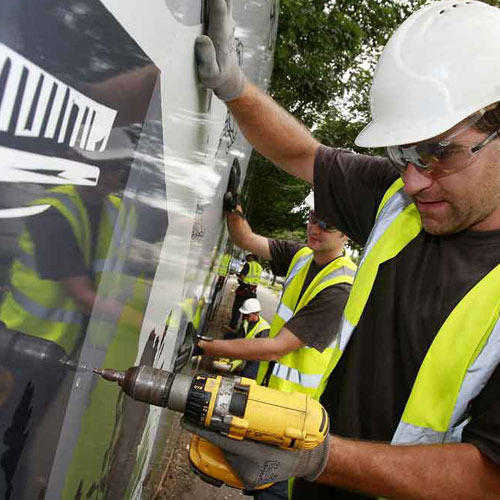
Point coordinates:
[[256, 464], [216, 56], [230, 202]]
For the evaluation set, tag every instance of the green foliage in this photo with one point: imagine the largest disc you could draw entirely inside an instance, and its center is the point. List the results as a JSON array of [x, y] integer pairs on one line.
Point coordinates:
[[325, 55]]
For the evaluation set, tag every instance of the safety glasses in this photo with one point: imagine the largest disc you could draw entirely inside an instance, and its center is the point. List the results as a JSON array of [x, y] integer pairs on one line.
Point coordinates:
[[439, 158], [321, 223]]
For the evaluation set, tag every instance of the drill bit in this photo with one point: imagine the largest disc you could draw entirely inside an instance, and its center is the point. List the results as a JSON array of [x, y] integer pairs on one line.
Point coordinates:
[[111, 375]]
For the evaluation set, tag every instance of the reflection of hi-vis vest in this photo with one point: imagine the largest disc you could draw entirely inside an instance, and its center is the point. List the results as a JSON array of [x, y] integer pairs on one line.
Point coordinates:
[[304, 369], [254, 272], [259, 327], [41, 307], [223, 269], [464, 352]]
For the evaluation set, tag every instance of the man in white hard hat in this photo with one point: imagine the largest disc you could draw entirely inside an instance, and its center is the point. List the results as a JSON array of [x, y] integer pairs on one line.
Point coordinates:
[[419, 344], [253, 326], [248, 280]]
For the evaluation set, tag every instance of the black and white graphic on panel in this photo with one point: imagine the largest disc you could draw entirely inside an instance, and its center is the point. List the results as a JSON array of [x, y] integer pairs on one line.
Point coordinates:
[[36, 105]]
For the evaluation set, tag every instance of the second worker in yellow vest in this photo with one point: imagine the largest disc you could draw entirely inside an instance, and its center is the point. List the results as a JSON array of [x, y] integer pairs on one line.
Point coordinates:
[[318, 280]]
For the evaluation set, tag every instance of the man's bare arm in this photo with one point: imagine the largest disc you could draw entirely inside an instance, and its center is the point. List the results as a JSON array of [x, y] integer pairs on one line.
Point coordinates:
[[242, 236], [274, 132], [441, 471], [267, 349]]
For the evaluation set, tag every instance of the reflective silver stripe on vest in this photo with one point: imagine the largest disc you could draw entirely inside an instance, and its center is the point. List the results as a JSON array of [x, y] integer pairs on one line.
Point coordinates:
[[25, 259], [393, 207], [67, 202], [475, 379], [343, 335], [48, 313], [301, 262], [311, 381], [117, 241], [98, 265], [284, 312], [341, 271], [478, 373], [111, 210]]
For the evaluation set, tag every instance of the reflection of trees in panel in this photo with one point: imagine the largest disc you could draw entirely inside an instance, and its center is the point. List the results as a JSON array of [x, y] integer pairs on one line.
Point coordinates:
[[86, 44]]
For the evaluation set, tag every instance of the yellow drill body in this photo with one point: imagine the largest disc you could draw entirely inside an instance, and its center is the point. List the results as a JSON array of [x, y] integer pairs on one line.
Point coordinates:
[[234, 406]]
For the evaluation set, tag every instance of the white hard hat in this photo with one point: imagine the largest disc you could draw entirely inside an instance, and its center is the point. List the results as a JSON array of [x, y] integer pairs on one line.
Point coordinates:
[[250, 306], [440, 66]]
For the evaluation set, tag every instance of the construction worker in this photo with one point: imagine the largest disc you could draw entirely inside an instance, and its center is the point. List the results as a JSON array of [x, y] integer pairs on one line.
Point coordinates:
[[318, 280], [418, 349], [62, 253], [253, 326], [248, 279]]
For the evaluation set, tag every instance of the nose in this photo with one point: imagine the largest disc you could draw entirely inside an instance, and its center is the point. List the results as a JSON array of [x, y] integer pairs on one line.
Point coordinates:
[[415, 180]]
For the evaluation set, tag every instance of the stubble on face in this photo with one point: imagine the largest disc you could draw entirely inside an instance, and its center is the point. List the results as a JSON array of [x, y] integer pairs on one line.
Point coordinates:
[[472, 197]]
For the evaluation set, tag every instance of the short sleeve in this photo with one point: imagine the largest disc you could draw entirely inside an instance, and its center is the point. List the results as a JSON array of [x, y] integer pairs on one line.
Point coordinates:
[[317, 323], [57, 254], [282, 253], [348, 188]]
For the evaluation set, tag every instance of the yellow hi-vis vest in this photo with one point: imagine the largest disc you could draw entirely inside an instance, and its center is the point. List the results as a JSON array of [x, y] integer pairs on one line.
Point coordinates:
[[304, 369], [254, 272], [260, 326], [223, 269], [465, 351], [41, 307]]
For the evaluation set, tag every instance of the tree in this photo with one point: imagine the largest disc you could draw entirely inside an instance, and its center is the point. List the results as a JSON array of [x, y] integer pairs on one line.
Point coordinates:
[[325, 54]]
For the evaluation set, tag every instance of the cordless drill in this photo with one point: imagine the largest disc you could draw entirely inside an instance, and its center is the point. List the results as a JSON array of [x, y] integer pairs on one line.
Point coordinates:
[[234, 406]]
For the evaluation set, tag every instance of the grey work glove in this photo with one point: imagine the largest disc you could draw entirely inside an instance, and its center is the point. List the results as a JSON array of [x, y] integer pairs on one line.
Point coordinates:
[[216, 56], [256, 464]]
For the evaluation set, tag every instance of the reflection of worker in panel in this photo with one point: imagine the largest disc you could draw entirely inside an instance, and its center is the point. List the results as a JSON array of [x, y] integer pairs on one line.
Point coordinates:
[[61, 253], [318, 280], [248, 279], [52, 291], [253, 326], [413, 398]]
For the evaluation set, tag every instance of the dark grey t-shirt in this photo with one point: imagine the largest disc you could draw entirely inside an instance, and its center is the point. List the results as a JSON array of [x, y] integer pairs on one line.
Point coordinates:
[[57, 253], [411, 297], [317, 322]]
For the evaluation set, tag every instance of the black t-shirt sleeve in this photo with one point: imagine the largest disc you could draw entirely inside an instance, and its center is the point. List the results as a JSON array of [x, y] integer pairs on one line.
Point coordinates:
[[57, 254], [263, 334], [317, 323], [348, 188], [483, 429], [282, 253]]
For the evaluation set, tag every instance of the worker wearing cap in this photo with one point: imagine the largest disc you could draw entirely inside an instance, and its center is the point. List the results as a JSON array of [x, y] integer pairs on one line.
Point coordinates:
[[248, 279], [253, 326], [418, 349]]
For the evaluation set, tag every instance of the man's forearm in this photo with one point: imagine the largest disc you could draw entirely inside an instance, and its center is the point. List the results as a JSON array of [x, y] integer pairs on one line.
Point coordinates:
[[441, 471], [242, 236], [239, 229], [274, 132], [247, 349]]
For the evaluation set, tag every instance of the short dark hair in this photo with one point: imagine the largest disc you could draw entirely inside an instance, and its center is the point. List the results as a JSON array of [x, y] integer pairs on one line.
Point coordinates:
[[490, 121]]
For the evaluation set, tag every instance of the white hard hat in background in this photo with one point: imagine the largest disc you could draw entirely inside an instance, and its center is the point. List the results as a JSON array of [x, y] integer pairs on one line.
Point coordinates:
[[440, 66], [250, 306]]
